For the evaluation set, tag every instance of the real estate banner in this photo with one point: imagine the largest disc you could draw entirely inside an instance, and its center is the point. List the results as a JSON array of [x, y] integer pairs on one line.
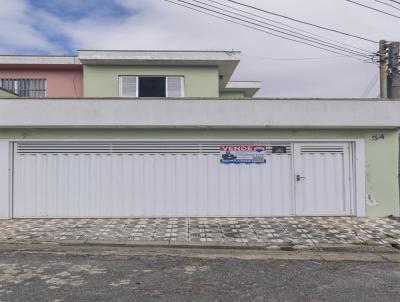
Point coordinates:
[[243, 154]]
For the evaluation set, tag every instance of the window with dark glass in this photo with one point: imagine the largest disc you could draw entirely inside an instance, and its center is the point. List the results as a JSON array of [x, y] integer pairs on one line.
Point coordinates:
[[152, 87]]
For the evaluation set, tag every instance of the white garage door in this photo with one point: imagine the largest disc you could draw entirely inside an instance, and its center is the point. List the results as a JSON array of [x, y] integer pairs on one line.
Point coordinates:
[[176, 179]]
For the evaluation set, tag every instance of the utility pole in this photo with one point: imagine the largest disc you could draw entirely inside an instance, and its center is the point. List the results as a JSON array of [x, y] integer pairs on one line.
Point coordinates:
[[393, 82], [383, 69]]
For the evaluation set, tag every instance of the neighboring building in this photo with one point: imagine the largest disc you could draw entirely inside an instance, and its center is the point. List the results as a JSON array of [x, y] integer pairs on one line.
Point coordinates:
[[163, 133], [166, 74], [42, 76]]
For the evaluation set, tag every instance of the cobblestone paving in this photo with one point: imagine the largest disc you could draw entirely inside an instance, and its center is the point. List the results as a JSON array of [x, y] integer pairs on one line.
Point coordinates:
[[299, 231]]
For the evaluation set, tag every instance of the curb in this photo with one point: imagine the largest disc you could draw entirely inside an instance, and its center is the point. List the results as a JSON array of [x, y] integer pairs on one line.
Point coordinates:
[[287, 247]]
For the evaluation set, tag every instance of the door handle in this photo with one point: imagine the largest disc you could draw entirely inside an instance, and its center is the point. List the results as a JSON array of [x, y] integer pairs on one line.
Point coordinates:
[[298, 177]]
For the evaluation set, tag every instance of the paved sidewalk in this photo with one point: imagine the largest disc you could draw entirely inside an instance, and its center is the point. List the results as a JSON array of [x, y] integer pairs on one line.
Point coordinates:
[[298, 232]]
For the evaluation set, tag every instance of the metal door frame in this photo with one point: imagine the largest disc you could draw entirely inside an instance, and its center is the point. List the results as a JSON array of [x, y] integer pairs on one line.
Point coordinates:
[[349, 184]]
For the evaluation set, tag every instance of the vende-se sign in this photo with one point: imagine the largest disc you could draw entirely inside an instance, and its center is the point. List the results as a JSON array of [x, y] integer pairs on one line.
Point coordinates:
[[243, 154]]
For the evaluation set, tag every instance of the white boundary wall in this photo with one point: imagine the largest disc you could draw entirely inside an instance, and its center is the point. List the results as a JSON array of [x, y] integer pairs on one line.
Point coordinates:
[[5, 179], [168, 113]]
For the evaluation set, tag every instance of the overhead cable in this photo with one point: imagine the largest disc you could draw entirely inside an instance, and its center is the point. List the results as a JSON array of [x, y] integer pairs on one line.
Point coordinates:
[[286, 25], [372, 8], [280, 29], [267, 32], [398, 2], [295, 59], [312, 40], [387, 4], [371, 85], [303, 22]]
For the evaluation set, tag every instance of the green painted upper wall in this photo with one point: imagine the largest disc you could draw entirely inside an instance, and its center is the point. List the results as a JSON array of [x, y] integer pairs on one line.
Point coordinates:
[[231, 94], [102, 81]]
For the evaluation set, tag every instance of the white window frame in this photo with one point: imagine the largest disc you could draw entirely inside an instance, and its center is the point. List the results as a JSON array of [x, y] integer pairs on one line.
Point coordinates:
[[143, 76], [120, 86], [182, 85]]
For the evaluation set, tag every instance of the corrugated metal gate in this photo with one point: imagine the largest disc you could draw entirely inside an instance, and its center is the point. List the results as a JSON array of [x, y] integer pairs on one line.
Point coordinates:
[[176, 179], [323, 179]]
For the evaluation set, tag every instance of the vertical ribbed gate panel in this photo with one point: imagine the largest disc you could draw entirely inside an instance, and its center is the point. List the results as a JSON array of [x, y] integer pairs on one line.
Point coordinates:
[[159, 179]]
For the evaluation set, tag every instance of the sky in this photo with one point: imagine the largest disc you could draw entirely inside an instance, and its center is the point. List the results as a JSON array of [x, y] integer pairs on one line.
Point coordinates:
[[285, 68]]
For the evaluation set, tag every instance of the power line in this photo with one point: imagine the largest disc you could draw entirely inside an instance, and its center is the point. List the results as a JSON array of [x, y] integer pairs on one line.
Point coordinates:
[[387, 4], [291, 32], [398, 2], [325, 44], [375, 9], [269, 33], [371, 85], [295, 59], [286, 25], [302, 22], [285, 32]]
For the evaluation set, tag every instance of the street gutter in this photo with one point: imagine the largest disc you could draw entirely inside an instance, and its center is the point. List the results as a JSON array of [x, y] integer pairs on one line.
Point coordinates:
[[371, 254], [287, 247]]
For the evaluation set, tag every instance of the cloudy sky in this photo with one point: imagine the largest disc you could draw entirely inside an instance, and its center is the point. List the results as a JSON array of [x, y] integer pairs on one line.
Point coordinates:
[[286, 68]]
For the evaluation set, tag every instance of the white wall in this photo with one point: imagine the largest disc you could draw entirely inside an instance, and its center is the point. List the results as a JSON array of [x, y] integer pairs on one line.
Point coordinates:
[[258, 113], [5, 179]]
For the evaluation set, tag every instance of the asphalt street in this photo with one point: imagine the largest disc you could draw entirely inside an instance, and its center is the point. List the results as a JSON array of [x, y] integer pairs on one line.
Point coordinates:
[[152, 275]]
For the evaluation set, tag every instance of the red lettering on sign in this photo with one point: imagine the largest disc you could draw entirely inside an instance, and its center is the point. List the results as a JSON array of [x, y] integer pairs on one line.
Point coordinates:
[[240, 148]]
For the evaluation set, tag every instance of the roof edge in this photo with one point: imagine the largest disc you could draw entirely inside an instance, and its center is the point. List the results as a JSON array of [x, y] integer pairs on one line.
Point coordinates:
[[38, 60], [249, 88]]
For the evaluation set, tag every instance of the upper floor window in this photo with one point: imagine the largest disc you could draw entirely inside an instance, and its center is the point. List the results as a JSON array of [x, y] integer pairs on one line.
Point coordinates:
[[26, 87], [151, 86]]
